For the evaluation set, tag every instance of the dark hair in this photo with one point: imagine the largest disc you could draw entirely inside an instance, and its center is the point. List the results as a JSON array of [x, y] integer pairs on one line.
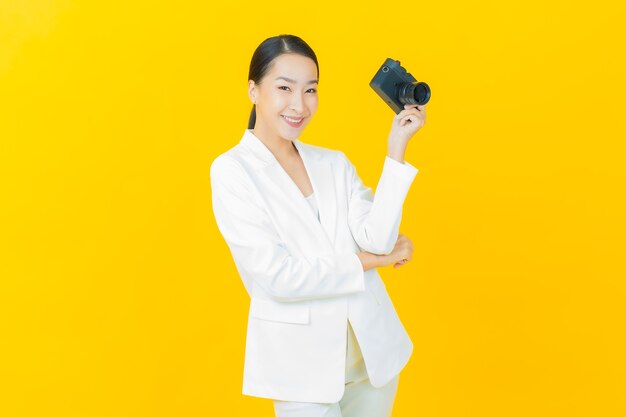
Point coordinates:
[[270, 49]]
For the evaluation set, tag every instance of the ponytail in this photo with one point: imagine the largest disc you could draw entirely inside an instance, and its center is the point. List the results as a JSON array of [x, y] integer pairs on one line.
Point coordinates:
[[252, 120]]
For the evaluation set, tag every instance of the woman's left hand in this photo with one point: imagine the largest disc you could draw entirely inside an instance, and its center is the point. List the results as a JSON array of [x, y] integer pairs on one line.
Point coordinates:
[[405, 124]]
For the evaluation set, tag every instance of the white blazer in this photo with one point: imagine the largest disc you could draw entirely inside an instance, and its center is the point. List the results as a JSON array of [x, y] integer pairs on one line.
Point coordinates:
[[303, 275]]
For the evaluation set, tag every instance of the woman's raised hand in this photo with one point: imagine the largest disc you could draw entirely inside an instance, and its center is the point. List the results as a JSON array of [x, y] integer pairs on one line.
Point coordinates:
[[405, 124]]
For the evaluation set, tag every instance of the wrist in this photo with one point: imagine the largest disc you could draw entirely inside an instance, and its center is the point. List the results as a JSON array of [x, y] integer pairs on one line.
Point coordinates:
[[396, 149], [396, 154], [369, 260]]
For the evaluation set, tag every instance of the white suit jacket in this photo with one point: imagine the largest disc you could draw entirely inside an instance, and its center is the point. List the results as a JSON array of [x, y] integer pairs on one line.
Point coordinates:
[[303, 275]]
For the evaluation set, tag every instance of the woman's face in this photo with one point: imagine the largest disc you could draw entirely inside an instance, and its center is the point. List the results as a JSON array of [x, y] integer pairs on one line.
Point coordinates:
[[286, 97]]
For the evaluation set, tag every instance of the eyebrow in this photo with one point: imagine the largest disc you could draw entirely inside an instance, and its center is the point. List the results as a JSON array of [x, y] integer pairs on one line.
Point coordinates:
[[293, 81]]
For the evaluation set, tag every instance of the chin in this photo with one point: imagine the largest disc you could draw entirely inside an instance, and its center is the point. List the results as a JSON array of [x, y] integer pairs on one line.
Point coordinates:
[[291, 134]]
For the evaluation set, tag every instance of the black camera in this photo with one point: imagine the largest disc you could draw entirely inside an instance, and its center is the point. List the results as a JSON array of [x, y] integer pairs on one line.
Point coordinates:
[[397, 87]]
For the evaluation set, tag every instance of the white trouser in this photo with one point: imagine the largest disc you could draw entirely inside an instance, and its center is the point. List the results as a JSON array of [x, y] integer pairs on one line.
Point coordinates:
[[360, 398]]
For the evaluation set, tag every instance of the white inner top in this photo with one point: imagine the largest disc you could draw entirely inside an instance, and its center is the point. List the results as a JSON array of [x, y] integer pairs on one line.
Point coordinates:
[[313, 204]]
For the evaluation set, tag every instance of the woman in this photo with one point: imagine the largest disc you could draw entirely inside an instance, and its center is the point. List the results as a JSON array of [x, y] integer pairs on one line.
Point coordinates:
[[307, 236]]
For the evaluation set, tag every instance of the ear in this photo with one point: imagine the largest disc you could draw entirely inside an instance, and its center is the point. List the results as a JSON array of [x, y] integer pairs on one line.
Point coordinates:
[[252, 91]]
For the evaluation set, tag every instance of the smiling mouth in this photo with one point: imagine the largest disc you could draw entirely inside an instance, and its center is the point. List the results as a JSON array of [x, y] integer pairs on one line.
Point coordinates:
[[293, 123], [292, 120]]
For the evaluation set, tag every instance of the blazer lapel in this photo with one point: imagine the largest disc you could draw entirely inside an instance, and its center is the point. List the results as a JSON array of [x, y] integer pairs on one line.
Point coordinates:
[[320, 174]]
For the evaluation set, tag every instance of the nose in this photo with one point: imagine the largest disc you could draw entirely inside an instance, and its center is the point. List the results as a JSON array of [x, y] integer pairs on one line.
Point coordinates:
[[297, 103]]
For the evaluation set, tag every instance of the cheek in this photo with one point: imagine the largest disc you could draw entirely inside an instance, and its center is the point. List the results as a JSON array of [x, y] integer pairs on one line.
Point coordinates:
[[312, 103], [278, 100]]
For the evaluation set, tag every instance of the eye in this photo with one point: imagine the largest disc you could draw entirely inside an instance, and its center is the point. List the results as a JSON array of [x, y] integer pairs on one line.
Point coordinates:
[[283, 86], [313, 89]]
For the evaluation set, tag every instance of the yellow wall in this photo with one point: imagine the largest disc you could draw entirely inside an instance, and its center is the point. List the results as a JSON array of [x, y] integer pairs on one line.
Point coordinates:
[[118, 296]]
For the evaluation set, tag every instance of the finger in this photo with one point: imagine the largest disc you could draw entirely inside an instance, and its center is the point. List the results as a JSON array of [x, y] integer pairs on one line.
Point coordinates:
[[410, 118], [402, 113], [399, 264], [408, 108], [402, 118], [414, 111]]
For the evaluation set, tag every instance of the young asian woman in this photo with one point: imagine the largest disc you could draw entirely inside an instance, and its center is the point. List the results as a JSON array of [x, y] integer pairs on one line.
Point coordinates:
[[306, 236]]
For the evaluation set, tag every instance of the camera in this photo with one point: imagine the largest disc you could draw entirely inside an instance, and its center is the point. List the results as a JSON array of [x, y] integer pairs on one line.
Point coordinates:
[[397, 87]]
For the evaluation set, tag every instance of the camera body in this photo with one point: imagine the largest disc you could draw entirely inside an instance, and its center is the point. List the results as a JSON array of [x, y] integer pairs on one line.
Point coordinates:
[[397, 87]]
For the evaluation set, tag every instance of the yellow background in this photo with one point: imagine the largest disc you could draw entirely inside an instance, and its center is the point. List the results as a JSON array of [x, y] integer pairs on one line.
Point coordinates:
[[118, 296]]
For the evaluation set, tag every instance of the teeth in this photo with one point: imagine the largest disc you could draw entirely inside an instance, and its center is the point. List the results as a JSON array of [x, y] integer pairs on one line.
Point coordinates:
[[292, 120]]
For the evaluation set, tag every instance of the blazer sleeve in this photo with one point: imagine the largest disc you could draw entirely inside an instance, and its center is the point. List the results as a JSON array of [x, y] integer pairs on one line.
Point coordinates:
[[259, 252], [374, 220]]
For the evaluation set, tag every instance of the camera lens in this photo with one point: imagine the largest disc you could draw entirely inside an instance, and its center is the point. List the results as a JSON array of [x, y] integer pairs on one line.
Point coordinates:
[[414, 93]]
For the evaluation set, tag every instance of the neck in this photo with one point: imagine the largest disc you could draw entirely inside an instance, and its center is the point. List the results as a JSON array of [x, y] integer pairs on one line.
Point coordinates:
[[281, 148]]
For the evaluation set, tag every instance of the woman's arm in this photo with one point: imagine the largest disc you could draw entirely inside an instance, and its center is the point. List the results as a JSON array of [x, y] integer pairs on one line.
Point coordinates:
[[370, 260], [374, 220]]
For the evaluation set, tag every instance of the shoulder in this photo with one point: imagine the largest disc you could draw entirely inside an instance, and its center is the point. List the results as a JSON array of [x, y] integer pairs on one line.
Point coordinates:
[[229, 170], [224, 164], [336, 157], [235, 160]]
